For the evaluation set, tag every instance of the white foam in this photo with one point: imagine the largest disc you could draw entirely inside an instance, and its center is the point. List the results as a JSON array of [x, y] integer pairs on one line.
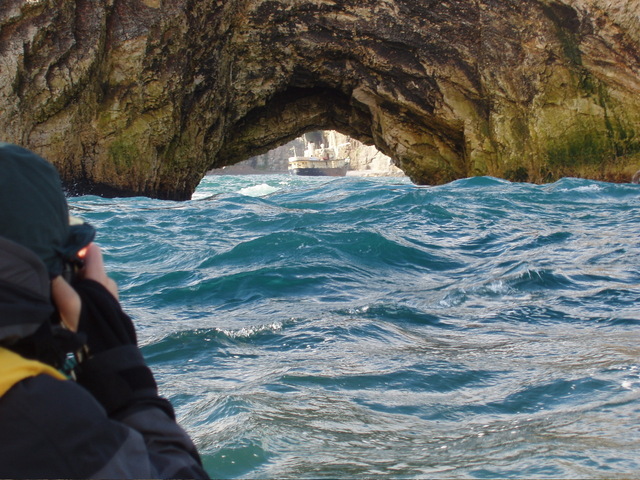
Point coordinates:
[[593, 188], [247, 332], [258, 190]]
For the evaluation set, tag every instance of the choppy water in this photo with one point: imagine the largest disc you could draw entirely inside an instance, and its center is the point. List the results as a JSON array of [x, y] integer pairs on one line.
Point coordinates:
[[351, 328]]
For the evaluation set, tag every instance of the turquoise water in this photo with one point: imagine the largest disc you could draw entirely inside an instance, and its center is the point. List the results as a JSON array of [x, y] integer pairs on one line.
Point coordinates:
[[358, 328]]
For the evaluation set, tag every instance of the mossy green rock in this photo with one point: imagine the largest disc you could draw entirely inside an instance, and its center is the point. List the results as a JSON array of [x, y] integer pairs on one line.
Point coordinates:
[[141, 97]]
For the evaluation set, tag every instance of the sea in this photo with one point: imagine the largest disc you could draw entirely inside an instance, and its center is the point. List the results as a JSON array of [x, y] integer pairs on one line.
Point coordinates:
[[316, 327]]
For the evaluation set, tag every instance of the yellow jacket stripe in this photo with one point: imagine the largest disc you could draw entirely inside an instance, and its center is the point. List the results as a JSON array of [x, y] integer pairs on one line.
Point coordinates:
[[14, 368]]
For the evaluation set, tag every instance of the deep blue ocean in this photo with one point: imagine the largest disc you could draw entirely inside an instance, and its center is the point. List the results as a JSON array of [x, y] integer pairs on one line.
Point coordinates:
[[309, 327]]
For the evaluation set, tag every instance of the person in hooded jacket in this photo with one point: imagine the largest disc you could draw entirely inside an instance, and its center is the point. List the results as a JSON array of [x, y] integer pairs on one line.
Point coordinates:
[[76, 397]]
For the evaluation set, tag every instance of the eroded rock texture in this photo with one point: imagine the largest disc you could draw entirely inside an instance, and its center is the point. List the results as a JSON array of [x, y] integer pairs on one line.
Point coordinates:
[[144, 96]]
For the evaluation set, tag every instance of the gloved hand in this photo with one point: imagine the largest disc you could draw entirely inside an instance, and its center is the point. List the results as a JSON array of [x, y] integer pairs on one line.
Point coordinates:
[[102, 319], [115, 371]]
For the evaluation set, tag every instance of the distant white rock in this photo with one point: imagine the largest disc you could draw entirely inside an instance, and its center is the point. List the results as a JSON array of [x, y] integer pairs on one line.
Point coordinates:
[[364, 160]]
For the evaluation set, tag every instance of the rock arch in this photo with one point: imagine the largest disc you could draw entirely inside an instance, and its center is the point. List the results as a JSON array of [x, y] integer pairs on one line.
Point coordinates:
[[143, 96]]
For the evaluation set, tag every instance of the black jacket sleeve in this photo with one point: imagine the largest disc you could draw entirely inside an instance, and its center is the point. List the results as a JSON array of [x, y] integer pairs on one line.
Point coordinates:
[[55, 429], [117, 377]]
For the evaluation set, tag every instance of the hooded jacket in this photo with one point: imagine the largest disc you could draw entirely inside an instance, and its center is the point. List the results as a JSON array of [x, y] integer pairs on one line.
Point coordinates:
[[110, 422], [52, 427], [33, 208]]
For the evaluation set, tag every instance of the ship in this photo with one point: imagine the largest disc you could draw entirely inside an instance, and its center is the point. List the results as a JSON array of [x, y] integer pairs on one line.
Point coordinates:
[[320, 162]]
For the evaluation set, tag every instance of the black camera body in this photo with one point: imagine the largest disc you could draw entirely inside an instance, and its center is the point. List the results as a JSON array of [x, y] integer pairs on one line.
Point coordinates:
[[80, 236]]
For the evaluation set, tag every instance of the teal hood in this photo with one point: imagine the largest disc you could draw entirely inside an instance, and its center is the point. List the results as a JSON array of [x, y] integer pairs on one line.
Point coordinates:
[[33, 208]]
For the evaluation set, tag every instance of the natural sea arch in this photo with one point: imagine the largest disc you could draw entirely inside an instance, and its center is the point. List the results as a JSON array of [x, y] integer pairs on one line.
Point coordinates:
[[142, 97]]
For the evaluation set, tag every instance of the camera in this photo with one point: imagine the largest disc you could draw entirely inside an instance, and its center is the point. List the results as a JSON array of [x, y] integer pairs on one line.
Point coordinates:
[[81, 234]]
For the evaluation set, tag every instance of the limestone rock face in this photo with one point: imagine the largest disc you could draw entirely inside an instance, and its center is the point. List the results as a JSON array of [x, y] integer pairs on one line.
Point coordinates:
[[143, 97], [364, 160]]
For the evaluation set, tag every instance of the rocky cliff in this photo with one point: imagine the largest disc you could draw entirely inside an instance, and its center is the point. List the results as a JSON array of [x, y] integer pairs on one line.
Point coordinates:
[[364, 160], [144, 96]]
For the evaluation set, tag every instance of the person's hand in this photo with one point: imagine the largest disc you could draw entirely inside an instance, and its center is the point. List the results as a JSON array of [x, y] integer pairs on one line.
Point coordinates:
[[94, 269], [114, 371], [102, 319], [67, 302], [66, 299]]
